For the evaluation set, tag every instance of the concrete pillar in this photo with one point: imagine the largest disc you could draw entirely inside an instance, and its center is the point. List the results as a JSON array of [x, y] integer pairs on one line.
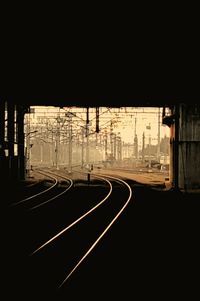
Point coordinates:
[[20, 141], [189, 147], [2, 122], [171, 164], [11, 138], [2, 138], [172, 121]]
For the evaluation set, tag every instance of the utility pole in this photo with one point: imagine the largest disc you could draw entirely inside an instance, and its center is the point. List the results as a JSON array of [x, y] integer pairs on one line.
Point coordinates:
[[158, 147], [148, 127], [41, 146], [57, 150], [114, 146], [118, 147], [149, 151], [69, 116], [97, 120], [82, 147], [143, 146], [135, 143], [87, 136], [70, 142], [106, 145], [87, 144], [111, 140], [51, 149]]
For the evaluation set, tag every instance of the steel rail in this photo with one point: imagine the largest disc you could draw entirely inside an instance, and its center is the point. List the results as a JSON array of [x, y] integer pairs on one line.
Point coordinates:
[[77, 220], [103, 233], [56, 196], [37, 194]]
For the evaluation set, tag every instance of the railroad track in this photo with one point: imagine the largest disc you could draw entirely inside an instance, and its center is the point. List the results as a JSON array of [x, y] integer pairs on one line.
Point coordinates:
[[114, 218], [45, 196], [68, 248], [101, 256]]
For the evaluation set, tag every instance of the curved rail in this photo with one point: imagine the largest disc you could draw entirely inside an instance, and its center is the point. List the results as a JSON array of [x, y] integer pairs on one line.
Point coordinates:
[[77, 220], [37, 194], [56, 196], [103, 233]]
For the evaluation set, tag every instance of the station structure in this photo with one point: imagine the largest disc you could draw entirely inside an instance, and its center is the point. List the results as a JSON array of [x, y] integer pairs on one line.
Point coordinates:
[[182, 119]]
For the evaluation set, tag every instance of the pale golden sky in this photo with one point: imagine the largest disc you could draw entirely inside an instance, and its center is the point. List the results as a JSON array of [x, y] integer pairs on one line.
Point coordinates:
[[123, 120]]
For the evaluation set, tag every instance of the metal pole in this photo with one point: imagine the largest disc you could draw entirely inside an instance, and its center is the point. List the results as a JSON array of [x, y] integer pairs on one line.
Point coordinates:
[[82, 148], [87, 136], [87, 146], [114, 147], [51, 150], [143, 146], [57, 150], [41, 148], [158, 147], [111, 140], [176, 149], [120, 149], [106, 146], [70, 143], [97, 120], [149, 151]]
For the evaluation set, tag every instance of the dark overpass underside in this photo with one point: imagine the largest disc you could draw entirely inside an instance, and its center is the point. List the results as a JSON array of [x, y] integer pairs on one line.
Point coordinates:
[[104, 85], [103, 92]]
